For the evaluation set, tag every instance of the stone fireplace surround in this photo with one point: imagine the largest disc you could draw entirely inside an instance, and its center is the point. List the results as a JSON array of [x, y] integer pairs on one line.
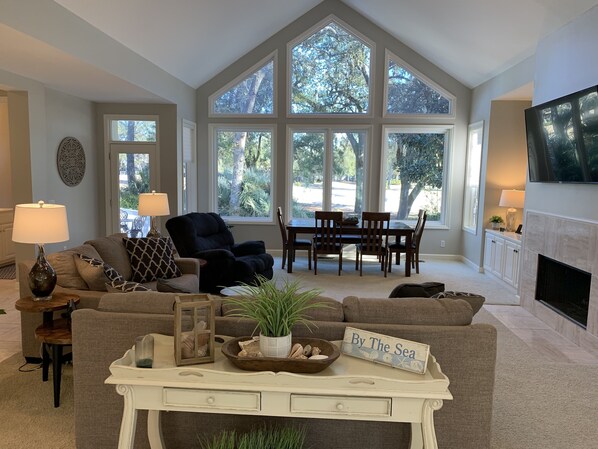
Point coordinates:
[[570, 241]]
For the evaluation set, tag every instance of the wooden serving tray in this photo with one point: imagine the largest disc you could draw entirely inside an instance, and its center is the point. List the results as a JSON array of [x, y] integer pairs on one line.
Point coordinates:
[[231, 348]]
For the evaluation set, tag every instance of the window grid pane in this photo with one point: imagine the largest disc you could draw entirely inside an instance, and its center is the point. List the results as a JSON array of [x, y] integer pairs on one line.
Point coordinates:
[[414, 174], [244, 173], [308, 173], [330, 73], [347, 171], [133, 130]]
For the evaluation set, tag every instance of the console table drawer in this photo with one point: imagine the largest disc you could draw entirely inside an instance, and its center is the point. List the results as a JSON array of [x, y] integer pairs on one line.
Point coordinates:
[[340, 405], [211, 399]]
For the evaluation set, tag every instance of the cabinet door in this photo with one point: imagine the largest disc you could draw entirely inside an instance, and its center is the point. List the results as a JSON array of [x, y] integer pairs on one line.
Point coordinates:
[[7, 247], [497, 259], [488, 252], [511, 268]]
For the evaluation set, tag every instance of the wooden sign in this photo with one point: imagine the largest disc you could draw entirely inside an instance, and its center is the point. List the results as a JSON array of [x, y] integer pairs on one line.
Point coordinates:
[[396, 352]]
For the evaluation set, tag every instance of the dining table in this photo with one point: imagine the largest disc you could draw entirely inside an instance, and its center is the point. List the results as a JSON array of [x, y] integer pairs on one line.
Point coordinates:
[[396, 228]]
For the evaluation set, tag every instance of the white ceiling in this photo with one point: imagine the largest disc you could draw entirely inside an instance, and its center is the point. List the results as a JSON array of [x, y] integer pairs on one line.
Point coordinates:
[[193, 40]]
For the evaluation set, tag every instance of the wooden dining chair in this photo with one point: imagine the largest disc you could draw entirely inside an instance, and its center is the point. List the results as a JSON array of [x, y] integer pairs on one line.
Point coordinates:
[[328, 237], [298, 244], [399, 247], [374, 239]]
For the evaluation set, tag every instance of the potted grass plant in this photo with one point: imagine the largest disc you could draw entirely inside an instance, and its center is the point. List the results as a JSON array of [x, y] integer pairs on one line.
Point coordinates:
[[495, 221], [265, 437], [276, 309]]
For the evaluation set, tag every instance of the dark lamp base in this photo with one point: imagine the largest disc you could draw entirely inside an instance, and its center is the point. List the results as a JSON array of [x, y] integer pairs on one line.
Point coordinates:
[[42, 278]]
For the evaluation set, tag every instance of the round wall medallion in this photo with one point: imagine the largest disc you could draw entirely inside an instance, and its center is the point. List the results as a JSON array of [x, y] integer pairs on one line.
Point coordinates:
[[71, 161]]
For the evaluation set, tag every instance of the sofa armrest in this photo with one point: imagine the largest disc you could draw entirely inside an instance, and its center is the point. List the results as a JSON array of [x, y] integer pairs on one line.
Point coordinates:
[[249, 248], [188, 265]]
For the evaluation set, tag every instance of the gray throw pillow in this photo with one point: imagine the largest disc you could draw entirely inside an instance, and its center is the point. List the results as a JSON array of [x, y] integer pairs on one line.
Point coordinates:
[[187, 283], [423, 290], [475, 301]]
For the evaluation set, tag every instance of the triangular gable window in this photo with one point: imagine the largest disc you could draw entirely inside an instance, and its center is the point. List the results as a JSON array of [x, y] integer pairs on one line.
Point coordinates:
[[254, 94], [330, 72], [408, 92]]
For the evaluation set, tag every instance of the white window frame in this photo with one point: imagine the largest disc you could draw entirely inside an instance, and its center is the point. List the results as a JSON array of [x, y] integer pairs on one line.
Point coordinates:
[[366, 41], [474, 129], [108, 164], [188, 166], [250, 71], [423, 78], [328, 160], [213, 129], [446, 173]]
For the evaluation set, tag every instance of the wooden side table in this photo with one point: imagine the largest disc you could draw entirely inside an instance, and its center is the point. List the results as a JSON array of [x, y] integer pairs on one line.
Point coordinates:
[[52, 334]]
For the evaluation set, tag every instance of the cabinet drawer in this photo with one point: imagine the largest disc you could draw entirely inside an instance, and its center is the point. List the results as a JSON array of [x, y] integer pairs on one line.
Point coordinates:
[[340, 405], [211, 399]]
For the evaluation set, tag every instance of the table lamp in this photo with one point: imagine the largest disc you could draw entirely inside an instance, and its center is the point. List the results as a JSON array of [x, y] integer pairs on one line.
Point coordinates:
[[153, 205], [513, 199], [40, 224]]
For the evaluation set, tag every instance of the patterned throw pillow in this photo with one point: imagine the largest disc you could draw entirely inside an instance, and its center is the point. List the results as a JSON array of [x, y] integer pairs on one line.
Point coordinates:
[[123, 286], [151, 258]]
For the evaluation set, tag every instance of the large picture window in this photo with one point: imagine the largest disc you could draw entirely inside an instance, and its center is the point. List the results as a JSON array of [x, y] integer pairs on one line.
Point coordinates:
[[330, 73], [244, 160], [328, 170], [414, 171]]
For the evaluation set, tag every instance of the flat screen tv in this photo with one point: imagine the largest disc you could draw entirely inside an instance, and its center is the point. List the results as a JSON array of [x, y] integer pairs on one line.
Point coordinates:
[[562, 139]]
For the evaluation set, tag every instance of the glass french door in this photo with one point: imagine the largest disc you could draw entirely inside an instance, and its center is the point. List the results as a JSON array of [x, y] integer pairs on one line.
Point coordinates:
[[132, 171]]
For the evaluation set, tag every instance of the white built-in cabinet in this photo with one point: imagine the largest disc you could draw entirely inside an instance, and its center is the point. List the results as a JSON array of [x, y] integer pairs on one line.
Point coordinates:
[[502, 255], [7, 248]]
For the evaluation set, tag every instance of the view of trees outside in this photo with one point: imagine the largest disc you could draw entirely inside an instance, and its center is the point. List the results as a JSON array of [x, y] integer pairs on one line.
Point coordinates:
[[414, 173], [330, 74], [134, 130], [409, 95], [346, 177], [244, 173]]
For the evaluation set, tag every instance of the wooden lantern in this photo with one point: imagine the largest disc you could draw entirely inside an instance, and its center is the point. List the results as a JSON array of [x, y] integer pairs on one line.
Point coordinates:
[[193, 329]]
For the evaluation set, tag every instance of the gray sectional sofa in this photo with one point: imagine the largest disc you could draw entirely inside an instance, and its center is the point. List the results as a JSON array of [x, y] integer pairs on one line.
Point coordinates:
[[75, 276], [466, 353]]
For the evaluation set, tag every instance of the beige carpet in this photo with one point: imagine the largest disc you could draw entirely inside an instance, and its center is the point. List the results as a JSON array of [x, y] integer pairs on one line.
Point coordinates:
[[455, 275]]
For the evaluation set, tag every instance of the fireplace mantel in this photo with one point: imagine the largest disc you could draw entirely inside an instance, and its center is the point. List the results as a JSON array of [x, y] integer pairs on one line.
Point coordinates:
[[570, 241]]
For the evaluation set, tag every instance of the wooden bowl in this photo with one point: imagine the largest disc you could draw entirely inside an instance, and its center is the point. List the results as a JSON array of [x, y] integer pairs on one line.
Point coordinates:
[[231, 348]]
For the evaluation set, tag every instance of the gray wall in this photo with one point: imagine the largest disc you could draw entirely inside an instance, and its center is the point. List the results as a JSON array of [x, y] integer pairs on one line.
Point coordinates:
[[269, 232], [5, 173], [481, 109], [566, 62]]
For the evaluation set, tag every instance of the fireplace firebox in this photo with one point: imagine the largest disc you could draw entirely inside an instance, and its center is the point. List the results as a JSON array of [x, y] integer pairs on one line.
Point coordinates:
[[564, 288]]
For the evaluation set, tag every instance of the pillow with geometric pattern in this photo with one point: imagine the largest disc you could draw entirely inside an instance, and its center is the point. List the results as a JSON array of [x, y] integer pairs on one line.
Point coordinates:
[[125, 287], [151, 258]]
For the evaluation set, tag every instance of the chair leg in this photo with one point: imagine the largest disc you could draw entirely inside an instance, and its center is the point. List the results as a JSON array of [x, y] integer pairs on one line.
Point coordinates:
[[315, 262], [309, 258], [284, 257], [340, 263], [356, 257], [389, 261]]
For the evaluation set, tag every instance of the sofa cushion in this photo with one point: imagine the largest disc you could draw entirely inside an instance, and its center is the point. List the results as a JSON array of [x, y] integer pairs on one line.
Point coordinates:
[[151, 259], [63, 263], [332, 311], [409, 311], [475, 301], [138, 302], [187, 283], [112, 251], [411, 290]]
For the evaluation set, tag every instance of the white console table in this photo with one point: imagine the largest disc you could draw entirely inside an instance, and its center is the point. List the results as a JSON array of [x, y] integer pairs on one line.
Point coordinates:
[[349, 389]]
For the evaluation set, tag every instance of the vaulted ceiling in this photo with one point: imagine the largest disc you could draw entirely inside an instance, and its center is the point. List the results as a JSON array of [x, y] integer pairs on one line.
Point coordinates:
[[193, 40]]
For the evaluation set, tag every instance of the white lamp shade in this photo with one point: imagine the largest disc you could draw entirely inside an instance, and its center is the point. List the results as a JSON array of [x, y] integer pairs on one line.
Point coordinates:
[[153, 204], [512, 198], [40, 223]]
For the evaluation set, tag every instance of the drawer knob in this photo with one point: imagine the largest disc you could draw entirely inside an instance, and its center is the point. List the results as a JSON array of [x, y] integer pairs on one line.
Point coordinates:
[[340, 406], [211, 400]]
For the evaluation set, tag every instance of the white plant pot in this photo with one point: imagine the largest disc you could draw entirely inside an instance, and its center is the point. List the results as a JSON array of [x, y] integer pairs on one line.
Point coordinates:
[[279, 347]]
